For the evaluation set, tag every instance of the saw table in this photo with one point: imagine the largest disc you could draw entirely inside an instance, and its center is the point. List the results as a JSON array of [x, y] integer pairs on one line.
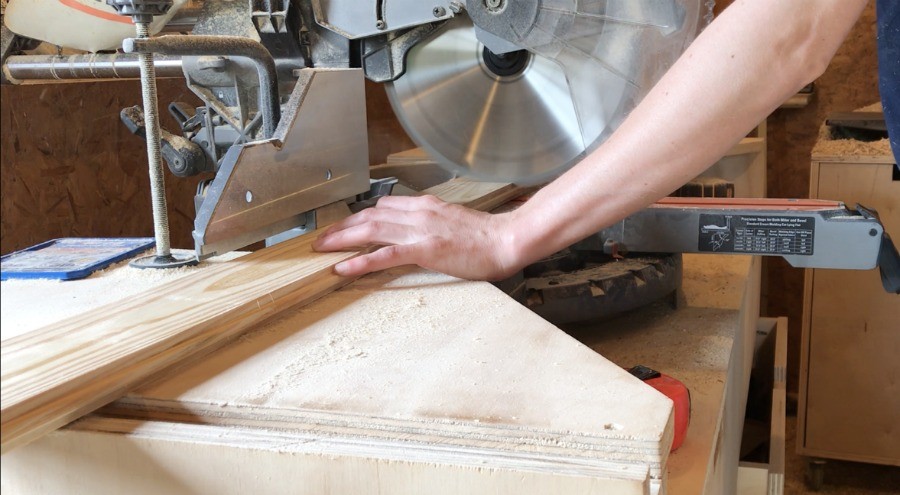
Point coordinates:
[[208, 426]]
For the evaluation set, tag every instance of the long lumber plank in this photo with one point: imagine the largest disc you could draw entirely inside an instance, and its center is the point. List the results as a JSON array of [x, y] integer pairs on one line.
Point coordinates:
[[58, 373]]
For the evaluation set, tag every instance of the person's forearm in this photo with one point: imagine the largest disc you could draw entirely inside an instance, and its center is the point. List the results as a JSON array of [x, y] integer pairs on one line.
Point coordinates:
[[752, 58]]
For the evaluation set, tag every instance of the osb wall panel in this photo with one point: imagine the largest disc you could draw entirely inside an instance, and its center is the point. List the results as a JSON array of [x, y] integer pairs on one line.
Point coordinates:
[[69, 167], [850, 82]]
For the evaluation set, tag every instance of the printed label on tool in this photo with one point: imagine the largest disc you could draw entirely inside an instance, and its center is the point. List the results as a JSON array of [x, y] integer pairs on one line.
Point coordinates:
[[756, 234]]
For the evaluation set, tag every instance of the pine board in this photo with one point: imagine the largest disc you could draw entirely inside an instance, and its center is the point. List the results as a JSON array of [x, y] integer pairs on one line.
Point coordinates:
[[58, 373], [414, 155]]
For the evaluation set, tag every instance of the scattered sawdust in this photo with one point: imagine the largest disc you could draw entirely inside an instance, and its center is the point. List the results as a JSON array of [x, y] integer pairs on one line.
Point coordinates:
[[874, 107], [380, 320], [850, 147], [828, 146], [31, 304]]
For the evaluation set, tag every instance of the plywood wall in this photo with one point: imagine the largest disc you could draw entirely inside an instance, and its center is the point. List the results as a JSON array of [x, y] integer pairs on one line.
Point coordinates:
[[69, 167], [386, 135]]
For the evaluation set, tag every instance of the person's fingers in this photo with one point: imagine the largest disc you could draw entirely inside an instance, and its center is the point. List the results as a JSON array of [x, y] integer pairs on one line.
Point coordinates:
[[409, 203], [367, 215], [382, 259], [365, 234]]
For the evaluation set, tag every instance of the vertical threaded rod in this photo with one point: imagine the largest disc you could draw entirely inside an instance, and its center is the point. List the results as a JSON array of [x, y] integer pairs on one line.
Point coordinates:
[[151, 121]]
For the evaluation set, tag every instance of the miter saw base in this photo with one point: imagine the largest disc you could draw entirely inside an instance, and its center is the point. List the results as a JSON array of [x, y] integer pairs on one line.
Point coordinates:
[[576, 285]]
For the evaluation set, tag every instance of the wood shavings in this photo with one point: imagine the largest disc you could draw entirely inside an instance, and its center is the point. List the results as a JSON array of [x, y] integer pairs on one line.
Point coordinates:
[[828, 146], [49, 302]]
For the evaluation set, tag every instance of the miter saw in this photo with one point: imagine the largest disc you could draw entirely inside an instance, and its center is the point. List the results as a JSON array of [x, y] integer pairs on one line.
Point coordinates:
[[505, 90], [511, 90]]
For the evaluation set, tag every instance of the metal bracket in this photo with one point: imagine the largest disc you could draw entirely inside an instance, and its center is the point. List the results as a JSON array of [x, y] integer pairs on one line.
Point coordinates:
[[888, 258], [319, 155]]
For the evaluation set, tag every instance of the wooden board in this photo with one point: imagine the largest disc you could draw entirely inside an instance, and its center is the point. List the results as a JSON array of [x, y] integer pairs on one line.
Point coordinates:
[[437, 361], [56, 374], [775, 481], [799, 100], [98, 456], [410, 156]]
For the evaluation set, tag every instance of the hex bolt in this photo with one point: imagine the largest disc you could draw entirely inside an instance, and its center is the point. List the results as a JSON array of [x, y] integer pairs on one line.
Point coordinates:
[[456, 7]]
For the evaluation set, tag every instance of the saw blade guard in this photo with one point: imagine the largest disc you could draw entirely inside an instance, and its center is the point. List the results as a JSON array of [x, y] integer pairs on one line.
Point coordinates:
[[524, 94]]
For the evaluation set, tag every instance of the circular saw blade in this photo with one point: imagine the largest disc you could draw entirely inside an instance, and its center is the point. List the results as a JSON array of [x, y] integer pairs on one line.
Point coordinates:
[[533, 124], [521, 127]]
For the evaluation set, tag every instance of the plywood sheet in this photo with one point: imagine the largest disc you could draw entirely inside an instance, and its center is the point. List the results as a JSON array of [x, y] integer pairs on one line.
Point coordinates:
[[426, 358]]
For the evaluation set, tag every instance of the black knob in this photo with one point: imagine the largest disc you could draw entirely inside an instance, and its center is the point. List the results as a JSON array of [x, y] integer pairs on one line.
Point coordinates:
[[141, 11]]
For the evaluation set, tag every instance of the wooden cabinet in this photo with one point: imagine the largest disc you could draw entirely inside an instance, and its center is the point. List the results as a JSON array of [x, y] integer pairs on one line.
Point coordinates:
[[850, 357]]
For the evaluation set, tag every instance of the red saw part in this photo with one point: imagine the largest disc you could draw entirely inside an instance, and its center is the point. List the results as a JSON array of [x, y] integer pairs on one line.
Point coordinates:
[[748, 203]]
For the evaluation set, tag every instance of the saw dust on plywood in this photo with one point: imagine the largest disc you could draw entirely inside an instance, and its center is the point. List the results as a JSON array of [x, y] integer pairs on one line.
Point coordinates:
[[30, 304]]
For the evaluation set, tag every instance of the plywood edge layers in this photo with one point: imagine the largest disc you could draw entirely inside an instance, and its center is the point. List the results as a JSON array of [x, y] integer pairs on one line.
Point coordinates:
[[169, 457]]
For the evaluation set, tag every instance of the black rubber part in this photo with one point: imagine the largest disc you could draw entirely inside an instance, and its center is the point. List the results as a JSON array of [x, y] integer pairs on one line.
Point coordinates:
[[573, 286], [507, 64]]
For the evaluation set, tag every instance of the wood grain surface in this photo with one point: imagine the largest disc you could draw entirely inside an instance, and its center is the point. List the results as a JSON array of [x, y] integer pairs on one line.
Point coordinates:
[[58, 373]]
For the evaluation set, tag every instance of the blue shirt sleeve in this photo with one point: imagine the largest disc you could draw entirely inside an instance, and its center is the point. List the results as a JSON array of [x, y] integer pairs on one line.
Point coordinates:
[[888, 15]]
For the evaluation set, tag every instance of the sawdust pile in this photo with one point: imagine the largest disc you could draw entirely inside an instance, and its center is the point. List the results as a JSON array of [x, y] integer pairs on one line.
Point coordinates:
[[828, 146]]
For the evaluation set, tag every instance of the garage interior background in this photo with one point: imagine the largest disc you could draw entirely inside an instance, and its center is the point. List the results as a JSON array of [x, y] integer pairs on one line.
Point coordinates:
[[70, 167]]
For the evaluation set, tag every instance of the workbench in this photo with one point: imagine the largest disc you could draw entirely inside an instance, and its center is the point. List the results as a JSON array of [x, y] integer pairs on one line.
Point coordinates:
[[706, 341]]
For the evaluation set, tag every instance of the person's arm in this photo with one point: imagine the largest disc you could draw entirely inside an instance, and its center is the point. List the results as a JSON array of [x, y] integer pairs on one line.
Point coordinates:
[[741, 68]]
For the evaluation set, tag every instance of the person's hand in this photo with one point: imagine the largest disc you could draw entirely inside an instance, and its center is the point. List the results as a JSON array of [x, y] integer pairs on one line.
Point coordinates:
[[424, 231]]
